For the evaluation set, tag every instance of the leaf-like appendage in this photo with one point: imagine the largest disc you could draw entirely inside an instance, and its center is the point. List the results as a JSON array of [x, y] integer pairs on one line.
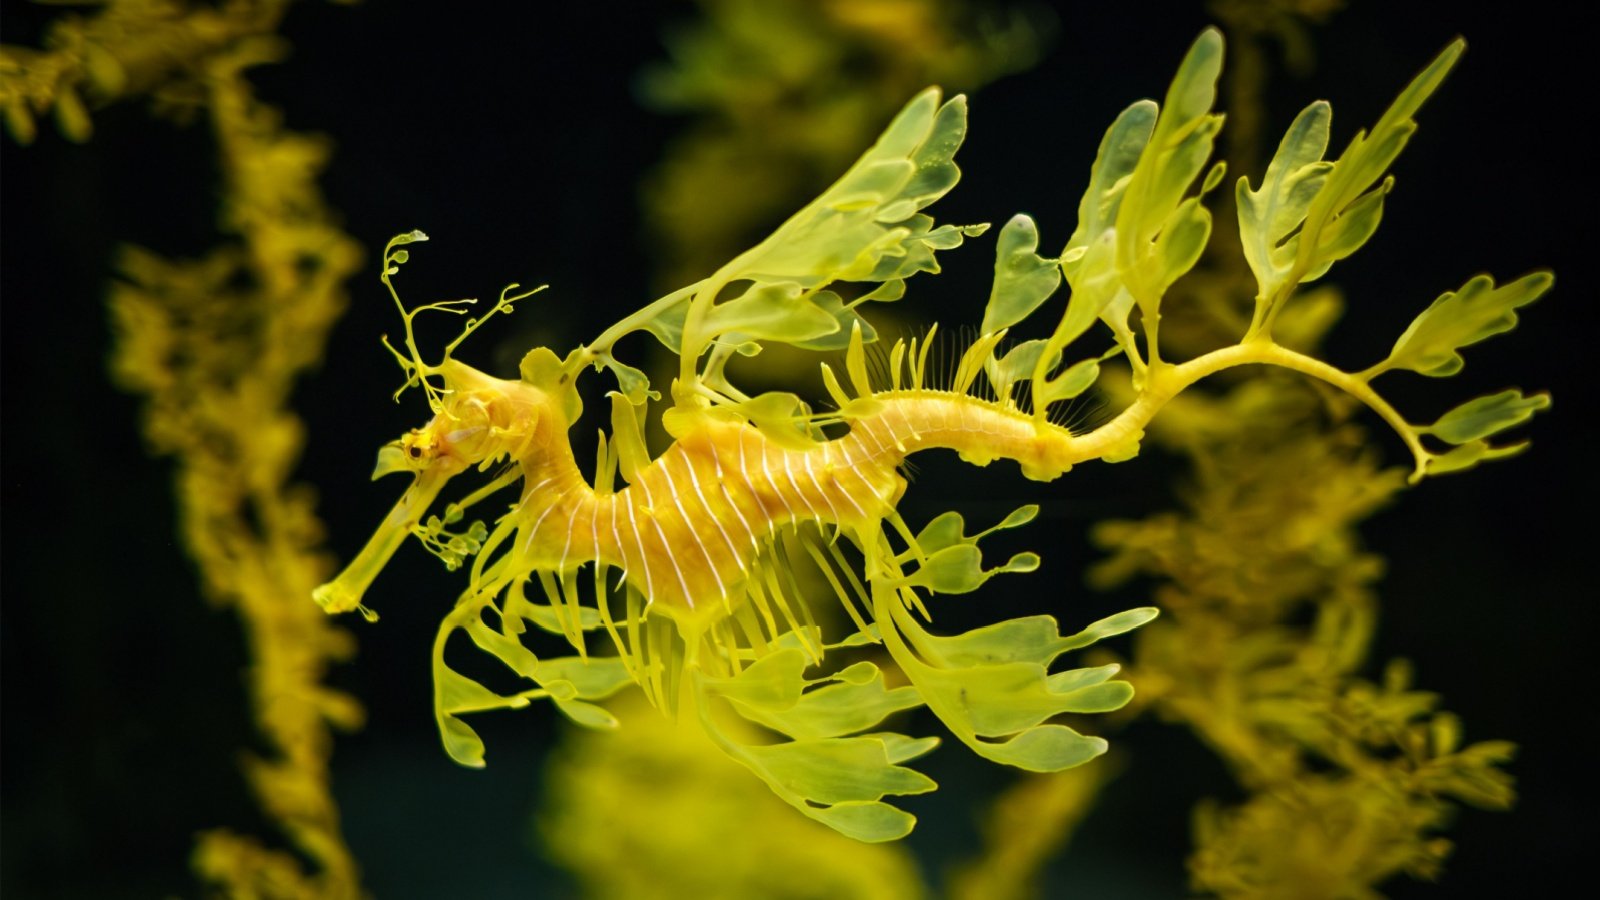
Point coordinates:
[[1294, 177], [951, 562], [1468, 456], [1348, 188], [865, 228], [1457, 319], [1034, 639], [863, 218], [1119, 152], [1335, 206], [1153, 201], [1182, 239], [779, 311], [853, 703], [1017, 365], [1089, 259], [948, 528], [1074, 379], [848, 777], [994, 682], [568, 681], [1472, 423], [1022, 278], [1347, 232], [631, 383], [839, 781], [1487, 416], [846, 319], [1111, 626], [781, 416], [454, 693], [773, 682], [592, 678]]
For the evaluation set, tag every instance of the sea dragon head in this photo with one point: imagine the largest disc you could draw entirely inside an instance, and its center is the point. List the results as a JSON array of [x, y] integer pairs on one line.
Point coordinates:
[[478, 421]]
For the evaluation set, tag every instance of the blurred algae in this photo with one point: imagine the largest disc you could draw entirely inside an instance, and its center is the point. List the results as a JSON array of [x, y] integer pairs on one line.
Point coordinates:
[[215, 346]]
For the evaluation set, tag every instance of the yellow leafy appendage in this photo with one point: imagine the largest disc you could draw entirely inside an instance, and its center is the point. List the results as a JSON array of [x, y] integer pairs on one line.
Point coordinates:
[[691, 564]]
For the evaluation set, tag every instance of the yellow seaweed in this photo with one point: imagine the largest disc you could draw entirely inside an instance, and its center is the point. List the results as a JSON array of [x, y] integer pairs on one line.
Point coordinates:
[[215, 346]]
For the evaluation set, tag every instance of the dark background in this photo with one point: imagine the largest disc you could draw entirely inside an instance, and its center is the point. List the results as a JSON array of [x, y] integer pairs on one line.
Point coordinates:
[[518, 148]]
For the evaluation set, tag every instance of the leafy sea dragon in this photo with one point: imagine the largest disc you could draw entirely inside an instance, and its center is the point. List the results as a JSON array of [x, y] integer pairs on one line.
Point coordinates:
[[692, 562]]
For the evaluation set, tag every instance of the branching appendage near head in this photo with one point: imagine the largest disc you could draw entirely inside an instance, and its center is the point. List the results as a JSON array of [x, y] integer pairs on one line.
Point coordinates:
[[692, 561], [477, 420]]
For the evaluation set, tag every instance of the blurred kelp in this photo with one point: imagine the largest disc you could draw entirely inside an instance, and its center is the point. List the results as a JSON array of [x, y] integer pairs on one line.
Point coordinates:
[[159, 50], [1026, 826], [215, 345], [1270, 614]]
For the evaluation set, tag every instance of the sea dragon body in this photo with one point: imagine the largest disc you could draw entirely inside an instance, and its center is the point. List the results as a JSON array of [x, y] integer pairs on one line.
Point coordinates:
[[686, 530], [696, 560]]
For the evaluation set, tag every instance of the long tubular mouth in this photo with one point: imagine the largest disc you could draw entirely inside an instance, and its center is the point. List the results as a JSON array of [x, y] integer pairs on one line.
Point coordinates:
[[344, 593]]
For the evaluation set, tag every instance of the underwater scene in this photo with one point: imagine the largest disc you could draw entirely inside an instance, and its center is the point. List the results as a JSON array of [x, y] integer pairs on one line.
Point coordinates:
[[794, 449]]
